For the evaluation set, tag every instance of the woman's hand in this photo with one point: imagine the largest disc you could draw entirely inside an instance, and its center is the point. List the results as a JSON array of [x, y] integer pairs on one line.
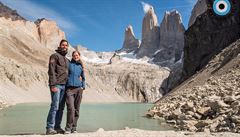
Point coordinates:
[[80, 78], [54, 89], [83, 88]]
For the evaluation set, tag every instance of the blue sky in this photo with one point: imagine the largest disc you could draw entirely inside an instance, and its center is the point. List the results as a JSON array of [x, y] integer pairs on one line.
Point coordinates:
[[98, 24]]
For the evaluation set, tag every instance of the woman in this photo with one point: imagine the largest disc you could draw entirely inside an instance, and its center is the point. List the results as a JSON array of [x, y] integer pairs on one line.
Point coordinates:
[[75, 87]]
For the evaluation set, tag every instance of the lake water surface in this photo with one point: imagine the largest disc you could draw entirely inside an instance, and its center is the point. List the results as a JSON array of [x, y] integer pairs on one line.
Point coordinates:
[[31, 118]]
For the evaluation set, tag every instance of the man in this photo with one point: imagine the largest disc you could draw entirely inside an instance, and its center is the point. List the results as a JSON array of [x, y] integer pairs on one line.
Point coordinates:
[[58, 73]]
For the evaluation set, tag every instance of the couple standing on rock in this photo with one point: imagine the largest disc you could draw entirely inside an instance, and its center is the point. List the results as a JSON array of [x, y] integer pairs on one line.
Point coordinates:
[[66, 82]]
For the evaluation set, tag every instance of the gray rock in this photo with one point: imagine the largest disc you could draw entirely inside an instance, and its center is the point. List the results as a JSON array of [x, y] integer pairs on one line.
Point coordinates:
[[199, 8], [173, 79], [100, 130], [9, 13], [150, 114], [213, 126], [190, 113], [206, 130], [224, 129], [204, 110], [188, 106], [176, 113], [170, 50], [173, 122], [197, 116], [115, 58], [235, 104], [156, 117], [139, 82], [236, 119], [171, 39], [229, 99], [207, 37], [189, 125], [216, 105], [203, 123]]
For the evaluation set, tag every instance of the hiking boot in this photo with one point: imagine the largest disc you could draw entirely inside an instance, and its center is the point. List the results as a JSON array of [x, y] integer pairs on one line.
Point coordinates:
[[51, 131], [67, 132], [74, 131], [60, 130]]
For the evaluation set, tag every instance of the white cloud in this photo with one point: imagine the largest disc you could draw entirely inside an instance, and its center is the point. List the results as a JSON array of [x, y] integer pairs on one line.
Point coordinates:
[[33, 11], [146, 6]]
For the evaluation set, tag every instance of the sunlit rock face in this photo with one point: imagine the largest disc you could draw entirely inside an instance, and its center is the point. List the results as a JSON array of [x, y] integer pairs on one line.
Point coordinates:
[[130, 42], [150, 35]]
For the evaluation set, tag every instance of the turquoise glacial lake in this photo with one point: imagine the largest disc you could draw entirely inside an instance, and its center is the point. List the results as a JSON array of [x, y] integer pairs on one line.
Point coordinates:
[[31, 118]]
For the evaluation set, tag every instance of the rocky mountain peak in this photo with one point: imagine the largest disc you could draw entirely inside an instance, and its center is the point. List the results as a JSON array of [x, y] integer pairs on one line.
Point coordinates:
[[48, 29], [208, 36], [149, 22], [150, 34], [151, 11], [198, 9], [172, 16], [171, 39], [129, 31], [80, 48], [9, 13], [130, 42], [172, 21], [38, 21]]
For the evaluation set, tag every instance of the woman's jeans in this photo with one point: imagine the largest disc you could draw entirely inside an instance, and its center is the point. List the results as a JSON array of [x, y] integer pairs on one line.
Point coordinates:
[[55, 113]]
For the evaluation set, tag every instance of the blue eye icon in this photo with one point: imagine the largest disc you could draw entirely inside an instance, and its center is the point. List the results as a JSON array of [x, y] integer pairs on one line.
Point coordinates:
[[221, 7]]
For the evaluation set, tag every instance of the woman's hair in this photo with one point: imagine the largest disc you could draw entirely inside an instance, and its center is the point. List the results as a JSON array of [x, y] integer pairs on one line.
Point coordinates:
[[63, 40], [80, 60]]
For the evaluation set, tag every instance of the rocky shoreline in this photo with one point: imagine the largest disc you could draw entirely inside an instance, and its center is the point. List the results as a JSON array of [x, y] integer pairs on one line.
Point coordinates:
[[136, 133], [215, 113], [210, 100]]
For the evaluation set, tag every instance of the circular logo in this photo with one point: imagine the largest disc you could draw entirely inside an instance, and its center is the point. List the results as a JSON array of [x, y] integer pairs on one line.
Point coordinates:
[[221, 7]]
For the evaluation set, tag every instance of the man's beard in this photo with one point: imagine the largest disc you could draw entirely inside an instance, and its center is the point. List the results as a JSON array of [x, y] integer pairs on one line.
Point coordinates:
[[62, 51]]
